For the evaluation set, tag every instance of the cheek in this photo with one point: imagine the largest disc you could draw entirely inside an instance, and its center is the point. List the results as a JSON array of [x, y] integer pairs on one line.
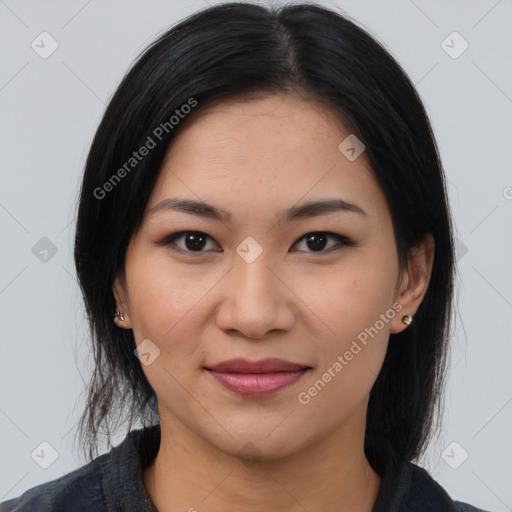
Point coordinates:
[[167, 303], [163, 297], [354, 305], [350, 298], [352, 350]]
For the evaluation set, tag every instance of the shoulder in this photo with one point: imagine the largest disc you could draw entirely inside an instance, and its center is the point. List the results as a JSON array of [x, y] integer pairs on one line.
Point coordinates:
[[465, 507], [425, 489], [407, 487], [78, 490], [112, 481]]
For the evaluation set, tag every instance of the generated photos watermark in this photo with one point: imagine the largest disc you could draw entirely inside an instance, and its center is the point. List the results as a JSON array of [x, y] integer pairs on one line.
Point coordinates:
[[151, 142], [304, 397]]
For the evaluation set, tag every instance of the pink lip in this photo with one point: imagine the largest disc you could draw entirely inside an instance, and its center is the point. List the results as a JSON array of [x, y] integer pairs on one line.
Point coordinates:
[[259, 378]]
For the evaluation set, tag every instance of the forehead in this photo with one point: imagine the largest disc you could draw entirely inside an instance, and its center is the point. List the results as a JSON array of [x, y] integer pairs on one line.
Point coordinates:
[[273, 150], [257, 120]]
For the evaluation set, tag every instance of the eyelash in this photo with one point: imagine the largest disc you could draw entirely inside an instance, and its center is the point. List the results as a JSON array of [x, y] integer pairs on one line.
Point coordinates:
[[169, 241]]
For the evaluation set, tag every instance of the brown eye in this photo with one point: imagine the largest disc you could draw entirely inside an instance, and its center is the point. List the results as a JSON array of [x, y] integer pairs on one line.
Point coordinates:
[[318, 240], [193, 241]]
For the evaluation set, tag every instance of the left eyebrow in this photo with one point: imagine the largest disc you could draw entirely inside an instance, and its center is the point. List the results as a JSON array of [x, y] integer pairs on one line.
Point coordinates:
[[317, 208], [302, 211]]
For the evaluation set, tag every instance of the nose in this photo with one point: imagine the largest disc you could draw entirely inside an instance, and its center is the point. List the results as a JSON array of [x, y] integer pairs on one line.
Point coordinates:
[[255, 300]]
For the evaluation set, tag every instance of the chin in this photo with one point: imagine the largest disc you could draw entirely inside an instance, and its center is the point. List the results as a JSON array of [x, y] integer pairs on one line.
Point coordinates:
[[252, 448]]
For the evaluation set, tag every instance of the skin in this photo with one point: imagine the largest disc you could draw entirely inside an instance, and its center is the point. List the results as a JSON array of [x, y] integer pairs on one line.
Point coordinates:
[[257, 158]]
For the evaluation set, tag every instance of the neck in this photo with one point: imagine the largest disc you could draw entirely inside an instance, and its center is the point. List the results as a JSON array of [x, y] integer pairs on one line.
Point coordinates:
[[331, 474]]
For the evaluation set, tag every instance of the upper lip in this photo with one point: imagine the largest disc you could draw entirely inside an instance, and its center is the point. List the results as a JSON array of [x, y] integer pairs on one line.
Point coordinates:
[[262, 366]]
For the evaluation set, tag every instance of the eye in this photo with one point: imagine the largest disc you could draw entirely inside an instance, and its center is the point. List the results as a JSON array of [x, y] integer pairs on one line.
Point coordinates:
[[195, 241], [317, 240]]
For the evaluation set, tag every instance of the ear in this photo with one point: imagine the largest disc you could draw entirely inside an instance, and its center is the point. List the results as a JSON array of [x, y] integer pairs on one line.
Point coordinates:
[[121, 297], [414, 281]]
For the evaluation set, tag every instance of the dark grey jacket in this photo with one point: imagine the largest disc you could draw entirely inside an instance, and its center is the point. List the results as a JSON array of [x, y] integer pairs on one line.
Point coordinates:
[[113, 482]]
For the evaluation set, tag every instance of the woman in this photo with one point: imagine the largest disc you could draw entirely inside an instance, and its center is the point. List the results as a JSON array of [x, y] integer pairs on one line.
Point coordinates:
[[264, 247]]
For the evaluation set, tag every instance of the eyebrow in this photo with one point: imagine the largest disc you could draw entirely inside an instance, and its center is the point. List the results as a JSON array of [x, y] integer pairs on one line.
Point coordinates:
[[302, 211]]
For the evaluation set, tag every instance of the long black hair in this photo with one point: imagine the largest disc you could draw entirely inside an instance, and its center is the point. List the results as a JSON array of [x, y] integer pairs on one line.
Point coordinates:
[[244, 50]]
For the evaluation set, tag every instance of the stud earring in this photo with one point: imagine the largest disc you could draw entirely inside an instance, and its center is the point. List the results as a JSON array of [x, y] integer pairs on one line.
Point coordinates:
[[407, 319], [119, 315]]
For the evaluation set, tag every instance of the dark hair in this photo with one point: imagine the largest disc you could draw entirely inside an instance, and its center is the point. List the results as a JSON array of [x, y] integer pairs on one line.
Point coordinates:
[[244, 50]]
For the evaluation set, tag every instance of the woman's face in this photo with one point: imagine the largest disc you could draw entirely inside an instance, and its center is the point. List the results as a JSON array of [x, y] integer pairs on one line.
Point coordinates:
[[251, 285]]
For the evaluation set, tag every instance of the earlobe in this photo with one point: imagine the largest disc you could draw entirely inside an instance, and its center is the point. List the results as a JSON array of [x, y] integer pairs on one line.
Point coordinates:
[[121, 320], [121, 315], [414, 284]]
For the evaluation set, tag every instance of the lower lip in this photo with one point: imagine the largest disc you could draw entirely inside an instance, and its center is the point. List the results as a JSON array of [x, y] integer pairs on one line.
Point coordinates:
[[257, 384]]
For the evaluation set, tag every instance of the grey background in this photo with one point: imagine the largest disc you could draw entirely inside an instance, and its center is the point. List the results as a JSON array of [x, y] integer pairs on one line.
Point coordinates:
[[50, 110]]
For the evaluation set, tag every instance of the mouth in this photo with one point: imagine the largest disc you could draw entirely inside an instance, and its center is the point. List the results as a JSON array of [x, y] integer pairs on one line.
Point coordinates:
[[257, 378]]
